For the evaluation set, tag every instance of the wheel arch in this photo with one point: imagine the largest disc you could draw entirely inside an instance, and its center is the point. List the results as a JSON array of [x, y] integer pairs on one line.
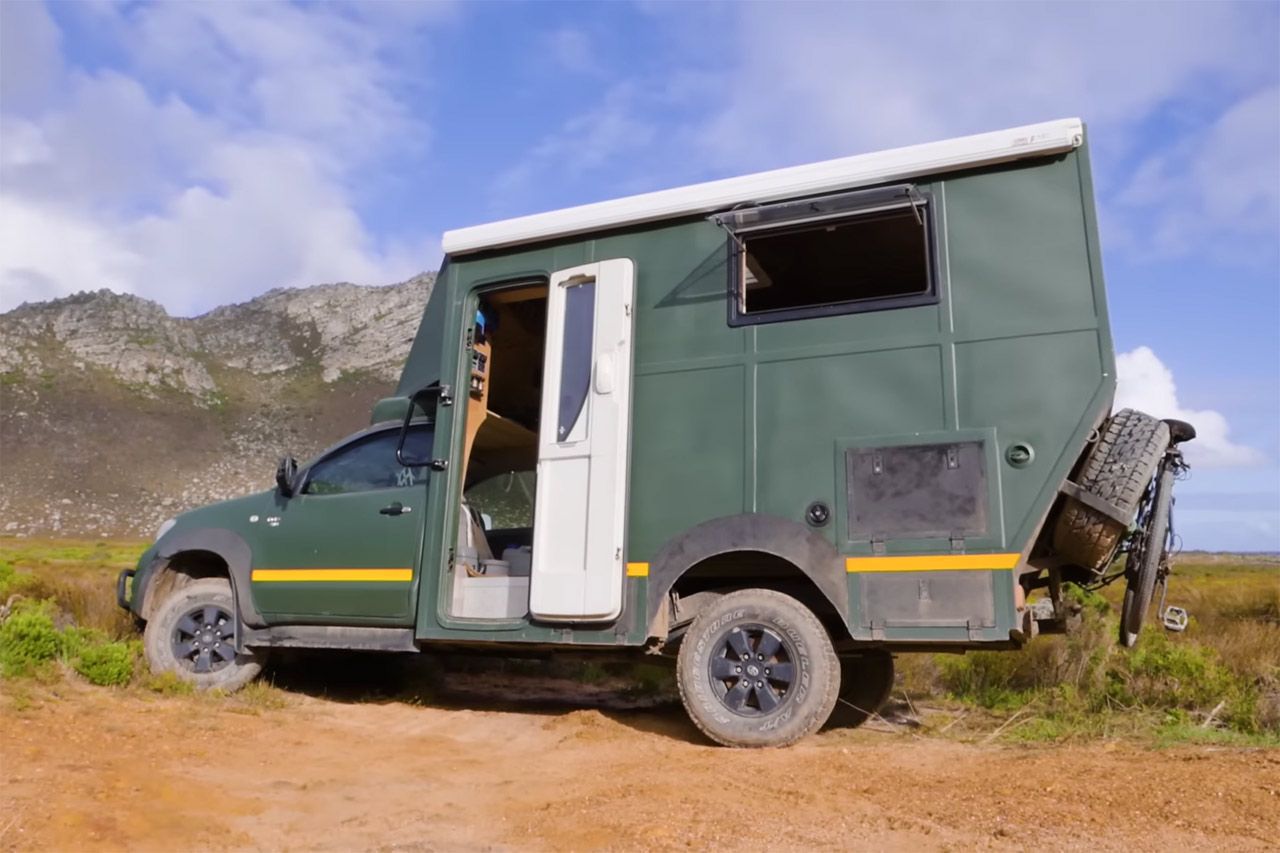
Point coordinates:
[[189, 555], [777, 551]]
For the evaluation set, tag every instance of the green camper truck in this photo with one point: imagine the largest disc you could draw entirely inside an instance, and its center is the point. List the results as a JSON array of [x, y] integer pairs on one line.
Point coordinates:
[[778, 427]]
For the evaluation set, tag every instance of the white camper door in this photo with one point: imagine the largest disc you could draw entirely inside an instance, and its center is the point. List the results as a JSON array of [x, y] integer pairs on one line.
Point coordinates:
[[580, 515]]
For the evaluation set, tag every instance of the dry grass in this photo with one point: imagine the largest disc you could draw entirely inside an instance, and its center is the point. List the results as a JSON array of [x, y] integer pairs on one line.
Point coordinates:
[[80, 575], [1221, 678]]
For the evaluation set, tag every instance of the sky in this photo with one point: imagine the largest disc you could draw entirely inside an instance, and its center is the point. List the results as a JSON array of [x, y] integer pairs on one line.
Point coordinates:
[[202, 153]]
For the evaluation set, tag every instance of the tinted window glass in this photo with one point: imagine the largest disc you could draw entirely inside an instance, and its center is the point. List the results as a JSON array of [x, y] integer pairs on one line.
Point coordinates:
[[869, 261], [575, 368], [371, 464]]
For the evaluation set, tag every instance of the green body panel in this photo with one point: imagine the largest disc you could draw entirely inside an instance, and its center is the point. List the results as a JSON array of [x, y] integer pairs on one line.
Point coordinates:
[[344, 531], [757, 419]]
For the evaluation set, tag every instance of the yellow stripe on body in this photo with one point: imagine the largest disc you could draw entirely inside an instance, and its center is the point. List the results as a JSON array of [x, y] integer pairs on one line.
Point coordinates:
[[637, 570], [933, 563], [331, 575]]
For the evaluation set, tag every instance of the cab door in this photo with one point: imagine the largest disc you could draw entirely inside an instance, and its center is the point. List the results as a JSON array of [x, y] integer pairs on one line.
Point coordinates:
[[347, 544], [580, 512]]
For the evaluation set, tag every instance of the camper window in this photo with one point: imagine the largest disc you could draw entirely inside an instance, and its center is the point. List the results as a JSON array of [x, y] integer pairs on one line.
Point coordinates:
[[860, 262], [575, 364]]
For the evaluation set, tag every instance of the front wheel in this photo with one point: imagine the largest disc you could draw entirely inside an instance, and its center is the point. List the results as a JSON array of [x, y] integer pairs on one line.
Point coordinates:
[[757, 668], [192, 635], [1145, 564]]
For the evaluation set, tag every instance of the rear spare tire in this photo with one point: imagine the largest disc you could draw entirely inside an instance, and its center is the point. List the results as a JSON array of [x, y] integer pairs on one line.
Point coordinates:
[[1117, 469], [756, 668], [192, 635]]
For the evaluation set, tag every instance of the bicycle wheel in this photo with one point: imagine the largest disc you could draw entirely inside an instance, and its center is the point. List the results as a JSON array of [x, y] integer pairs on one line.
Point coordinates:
[[1145, 562]]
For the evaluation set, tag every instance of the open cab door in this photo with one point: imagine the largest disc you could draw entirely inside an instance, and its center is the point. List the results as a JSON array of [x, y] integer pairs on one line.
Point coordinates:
[[580, 521]]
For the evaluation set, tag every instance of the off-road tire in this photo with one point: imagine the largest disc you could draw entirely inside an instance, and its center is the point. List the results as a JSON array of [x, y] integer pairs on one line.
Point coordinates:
[[158, 638], [1142, 580], [1118, 469], [866, 682], [807, 702]]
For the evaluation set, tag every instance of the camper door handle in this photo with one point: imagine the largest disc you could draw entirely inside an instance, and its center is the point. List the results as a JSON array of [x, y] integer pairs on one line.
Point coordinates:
[[604, 374], [394, 509]]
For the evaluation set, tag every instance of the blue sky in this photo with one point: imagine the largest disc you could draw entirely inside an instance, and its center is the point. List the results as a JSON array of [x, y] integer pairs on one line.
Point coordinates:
[[200, 153]]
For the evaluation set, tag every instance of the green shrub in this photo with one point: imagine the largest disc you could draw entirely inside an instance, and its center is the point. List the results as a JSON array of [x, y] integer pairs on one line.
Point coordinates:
[[75, 640], [28, 639], [1090, 600], [108, 664], [997, 680], [1165, 673], [12, 581]]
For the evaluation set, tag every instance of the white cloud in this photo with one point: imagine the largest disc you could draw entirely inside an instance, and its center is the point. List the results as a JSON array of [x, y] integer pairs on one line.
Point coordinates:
[[28, 54], [841, 78], [1144, 383], [806, 81], [586, 143], [1216, 191], [222, 159]]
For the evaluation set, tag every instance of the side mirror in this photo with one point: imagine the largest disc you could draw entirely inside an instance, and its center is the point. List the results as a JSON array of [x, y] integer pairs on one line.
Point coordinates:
[[286, 471]]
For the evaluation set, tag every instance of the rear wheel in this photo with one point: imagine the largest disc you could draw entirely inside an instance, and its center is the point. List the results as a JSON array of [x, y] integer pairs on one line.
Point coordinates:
[[866, 680], [756, 668], [1146, 562], [192, 635]]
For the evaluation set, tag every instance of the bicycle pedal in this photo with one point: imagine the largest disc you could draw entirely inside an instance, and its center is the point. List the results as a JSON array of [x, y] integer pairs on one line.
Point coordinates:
[[1175, 618]]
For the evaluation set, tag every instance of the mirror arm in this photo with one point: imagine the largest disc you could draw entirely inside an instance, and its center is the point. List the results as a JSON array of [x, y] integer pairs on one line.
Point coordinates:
[[444, 394]]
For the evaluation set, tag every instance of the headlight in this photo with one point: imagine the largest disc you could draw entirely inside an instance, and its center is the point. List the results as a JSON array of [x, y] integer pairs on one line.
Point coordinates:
[[165, 528]]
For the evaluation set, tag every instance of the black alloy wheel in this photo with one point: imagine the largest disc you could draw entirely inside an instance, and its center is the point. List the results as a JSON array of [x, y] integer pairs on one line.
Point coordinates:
[[757, 668], [752, 671], [203, 640]]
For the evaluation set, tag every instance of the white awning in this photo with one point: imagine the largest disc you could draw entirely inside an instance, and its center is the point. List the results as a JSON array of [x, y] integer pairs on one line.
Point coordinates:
[[966, 152]]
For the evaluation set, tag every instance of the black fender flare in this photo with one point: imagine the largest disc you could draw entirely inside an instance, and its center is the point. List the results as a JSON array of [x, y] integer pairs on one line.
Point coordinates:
[[228, 545], [790, 540]]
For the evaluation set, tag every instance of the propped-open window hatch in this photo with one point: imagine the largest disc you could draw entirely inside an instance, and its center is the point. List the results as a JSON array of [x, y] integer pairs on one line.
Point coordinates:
[[869, 250]]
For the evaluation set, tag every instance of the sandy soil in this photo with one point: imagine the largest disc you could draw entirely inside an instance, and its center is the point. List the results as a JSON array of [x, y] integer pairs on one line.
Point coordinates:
[[93, 769]]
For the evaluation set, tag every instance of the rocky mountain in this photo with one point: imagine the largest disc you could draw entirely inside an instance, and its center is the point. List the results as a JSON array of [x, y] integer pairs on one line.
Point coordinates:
[[115, 415]]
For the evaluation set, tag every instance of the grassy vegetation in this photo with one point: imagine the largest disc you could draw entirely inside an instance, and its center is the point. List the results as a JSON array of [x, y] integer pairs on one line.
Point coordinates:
[[61, 614], [1219, 682], [78, 575]]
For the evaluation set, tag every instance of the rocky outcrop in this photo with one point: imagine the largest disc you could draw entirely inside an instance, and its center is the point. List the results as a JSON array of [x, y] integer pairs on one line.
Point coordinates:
[[115, 415], [335, 328], [342, 328]]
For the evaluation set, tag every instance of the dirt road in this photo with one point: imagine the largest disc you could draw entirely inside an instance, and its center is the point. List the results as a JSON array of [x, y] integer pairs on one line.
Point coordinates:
[[91, 769]]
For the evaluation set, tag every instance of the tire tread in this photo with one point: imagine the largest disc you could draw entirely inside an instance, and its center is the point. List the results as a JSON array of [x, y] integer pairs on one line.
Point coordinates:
[[1118, 469], [826, 702]]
